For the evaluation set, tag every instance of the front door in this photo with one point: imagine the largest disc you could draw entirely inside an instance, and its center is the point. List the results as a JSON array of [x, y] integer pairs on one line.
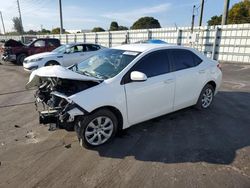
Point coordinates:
[[155, 96]]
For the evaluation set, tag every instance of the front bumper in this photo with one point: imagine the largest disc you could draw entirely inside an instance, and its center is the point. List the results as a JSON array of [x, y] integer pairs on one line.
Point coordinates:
[[9, 57], [31, 66]]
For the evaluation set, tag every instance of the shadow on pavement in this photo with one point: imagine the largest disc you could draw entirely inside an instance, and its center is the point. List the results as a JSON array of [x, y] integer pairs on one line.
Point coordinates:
[[189, 135]]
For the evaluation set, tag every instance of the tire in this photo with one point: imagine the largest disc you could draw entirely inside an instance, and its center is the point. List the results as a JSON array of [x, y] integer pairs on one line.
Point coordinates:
[[51, 63], [20, 58], [206, 97], [97, 128]]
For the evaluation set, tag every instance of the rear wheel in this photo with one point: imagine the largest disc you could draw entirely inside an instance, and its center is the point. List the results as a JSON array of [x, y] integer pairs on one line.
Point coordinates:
[[97, 128], [206, 97], [20, 58]]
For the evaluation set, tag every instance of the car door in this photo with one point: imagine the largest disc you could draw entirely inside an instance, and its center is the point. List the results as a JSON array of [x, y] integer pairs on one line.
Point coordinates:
[[155, 96], [75, 55], [190, 76], [91, 49], [39, 46]]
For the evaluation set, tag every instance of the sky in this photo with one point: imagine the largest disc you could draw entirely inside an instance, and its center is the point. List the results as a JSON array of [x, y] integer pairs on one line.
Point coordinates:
[[86, 14]]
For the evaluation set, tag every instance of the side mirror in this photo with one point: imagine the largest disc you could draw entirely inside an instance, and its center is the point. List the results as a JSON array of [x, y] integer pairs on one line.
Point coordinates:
[[67, 51], [138, 76]]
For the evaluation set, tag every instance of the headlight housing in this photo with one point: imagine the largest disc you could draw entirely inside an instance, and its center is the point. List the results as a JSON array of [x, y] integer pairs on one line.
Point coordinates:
[[34, 60]]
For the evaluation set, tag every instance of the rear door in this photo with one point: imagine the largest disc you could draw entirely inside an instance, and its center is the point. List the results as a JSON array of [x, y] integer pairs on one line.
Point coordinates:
[[76, 55], [91, 49], [155, 96], [190, 76]]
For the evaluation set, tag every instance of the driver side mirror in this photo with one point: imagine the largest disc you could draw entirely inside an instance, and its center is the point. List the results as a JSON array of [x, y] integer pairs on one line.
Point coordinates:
[[67, 51], [138, 76]]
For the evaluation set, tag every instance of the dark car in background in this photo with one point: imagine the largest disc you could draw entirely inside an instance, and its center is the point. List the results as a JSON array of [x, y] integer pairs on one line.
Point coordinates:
[[16, 51]]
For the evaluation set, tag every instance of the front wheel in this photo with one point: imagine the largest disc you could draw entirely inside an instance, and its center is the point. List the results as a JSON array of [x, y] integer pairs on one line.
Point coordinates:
[[20, 58], [97, 128], [206, 97]]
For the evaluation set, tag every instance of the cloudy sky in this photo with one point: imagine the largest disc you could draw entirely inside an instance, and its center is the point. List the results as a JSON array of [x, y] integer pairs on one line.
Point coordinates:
[[86, 14]]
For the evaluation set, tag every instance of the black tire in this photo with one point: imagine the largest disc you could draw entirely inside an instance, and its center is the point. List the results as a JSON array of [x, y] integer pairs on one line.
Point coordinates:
[[205, 98], [51, 63], [83, 127], [20, 58]]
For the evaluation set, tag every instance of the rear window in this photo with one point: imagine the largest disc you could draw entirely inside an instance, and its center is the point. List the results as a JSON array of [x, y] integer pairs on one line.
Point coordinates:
[[184, 59]]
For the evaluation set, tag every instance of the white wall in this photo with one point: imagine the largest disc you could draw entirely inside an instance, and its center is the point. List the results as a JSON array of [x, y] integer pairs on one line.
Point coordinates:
[[230, 43]]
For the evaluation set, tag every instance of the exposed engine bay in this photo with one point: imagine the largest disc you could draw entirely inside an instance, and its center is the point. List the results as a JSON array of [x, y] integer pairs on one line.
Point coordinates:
[[52, 100]]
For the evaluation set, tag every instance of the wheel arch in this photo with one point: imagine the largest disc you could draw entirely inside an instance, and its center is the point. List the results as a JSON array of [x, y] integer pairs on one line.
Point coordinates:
[[116, 112], [54, 61], [212, 83]]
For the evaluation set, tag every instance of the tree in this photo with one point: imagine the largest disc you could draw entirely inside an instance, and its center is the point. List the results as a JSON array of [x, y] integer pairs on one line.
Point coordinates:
[[238, 14], [44, 31], [97, 29], [122, 27], [17, 25], [113, 26], [57, 30], [215, 20], [31, 32], [146, 23]]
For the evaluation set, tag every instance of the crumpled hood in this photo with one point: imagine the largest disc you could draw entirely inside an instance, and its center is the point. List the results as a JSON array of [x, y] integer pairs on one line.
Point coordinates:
[[56, 71], [42, 55]]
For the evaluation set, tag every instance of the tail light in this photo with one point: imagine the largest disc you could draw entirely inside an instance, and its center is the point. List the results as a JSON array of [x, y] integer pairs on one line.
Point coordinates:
[[219, 66]]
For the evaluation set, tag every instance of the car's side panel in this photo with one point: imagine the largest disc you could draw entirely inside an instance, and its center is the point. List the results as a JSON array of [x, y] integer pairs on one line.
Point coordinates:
[[151, 98]]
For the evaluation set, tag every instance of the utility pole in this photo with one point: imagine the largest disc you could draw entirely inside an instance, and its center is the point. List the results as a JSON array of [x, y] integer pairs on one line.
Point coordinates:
[[20, 17], [201, 13], [225, 13], [192, 23], [2, 23], [61, 19]]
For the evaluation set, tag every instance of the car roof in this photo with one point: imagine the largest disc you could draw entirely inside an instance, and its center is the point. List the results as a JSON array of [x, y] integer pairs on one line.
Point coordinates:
[[79, 43], [142, 47]]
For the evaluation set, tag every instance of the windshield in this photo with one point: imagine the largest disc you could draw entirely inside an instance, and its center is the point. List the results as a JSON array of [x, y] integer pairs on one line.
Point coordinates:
[[106, 63], [60, 49]]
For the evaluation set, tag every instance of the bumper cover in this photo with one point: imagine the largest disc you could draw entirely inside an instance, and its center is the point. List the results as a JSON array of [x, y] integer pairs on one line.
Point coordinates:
[[9, 57]]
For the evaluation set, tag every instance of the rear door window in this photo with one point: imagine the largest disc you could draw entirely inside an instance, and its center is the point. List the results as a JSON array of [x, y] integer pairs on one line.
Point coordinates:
[[184, 59]]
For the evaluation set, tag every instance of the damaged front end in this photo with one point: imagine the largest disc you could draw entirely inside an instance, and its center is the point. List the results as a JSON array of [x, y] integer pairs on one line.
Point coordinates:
[[55, 86], [52, 97]]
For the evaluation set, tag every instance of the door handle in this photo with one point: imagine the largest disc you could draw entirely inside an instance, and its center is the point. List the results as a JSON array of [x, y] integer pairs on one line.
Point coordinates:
[[168, 81], [202, 71]]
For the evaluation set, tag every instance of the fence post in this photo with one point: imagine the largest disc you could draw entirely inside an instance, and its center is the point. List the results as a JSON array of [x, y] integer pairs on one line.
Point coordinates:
[[179, 37], [149, 34], [215, 43], [75, 37], [109, 39], [84, 37], [96, 37]]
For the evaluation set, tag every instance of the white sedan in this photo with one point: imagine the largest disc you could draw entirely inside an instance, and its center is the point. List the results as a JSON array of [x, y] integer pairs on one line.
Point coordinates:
[[123, 86], [65, 55]]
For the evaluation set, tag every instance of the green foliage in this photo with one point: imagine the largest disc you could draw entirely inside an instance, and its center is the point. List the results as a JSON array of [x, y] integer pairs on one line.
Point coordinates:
[[57, 30], [215, 20], [122, 28], [146, 23], [17, 25], [97, 29], [44, 31], [113, 26], [238, 14]]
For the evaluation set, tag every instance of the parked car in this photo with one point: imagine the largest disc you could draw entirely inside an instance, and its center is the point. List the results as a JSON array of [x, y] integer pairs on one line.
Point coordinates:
[[64, 55], [16, 51], [123, 86]]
